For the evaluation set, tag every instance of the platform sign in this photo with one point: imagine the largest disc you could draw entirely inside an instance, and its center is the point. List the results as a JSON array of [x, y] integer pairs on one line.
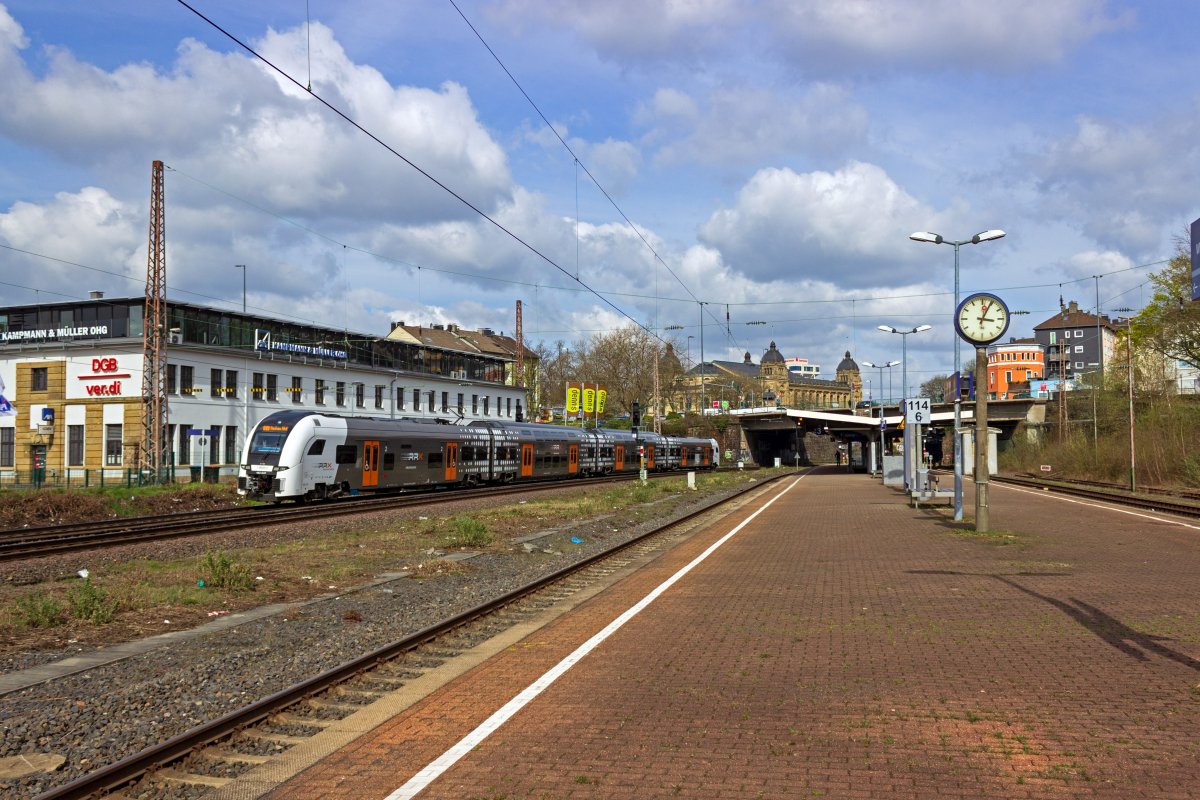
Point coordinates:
[[917, 411]]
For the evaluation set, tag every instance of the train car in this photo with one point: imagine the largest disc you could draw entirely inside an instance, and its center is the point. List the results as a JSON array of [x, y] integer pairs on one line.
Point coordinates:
[[304, 455]]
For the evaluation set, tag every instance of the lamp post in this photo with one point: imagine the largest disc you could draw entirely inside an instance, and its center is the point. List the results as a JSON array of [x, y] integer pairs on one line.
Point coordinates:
[[881, 367], [936, 238], [904, 351], [242, 267]]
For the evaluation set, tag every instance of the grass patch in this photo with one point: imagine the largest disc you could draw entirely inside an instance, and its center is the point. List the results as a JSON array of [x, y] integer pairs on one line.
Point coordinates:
[[223, 572], [468, 532], [40, 610], [90, 603]]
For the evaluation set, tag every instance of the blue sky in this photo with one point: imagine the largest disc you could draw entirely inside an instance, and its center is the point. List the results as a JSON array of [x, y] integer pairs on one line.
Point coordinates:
[[773, 156]]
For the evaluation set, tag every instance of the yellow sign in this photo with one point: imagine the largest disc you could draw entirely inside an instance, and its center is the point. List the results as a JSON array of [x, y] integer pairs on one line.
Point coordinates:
[[572, 399], [601, 396], [589, 400]]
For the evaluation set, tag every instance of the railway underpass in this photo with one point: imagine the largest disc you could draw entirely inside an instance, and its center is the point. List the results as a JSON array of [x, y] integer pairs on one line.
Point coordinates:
[[791, 435]]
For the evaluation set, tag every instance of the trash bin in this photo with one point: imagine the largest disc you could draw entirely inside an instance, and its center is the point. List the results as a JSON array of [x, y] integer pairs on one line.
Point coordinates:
[[211, 474], [195, 474]]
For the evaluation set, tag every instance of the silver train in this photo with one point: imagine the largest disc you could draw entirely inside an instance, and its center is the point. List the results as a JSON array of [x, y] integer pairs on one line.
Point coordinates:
[[303, 455]]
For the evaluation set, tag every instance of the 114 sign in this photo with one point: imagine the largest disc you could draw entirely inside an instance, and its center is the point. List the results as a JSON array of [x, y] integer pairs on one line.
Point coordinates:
[[917, 412]]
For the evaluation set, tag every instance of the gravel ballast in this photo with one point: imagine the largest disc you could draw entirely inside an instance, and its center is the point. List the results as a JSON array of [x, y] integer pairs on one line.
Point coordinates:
[[100, 715]]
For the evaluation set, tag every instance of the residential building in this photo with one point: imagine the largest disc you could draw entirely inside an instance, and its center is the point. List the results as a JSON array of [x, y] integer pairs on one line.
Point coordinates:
[[1013, 366], [1075, 342]]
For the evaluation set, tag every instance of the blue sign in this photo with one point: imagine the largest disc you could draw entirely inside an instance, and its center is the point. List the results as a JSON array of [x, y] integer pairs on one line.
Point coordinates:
[[48, 415], [201, 432], [1196, 260], [882, 424]]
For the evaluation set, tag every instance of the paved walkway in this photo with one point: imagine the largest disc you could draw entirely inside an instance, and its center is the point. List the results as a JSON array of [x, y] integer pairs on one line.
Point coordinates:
[[844, 645]]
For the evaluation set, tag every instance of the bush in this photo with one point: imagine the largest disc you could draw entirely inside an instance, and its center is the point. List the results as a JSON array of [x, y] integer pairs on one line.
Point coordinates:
[[90, 603], [222, 572], [468, 532], [40, 610]]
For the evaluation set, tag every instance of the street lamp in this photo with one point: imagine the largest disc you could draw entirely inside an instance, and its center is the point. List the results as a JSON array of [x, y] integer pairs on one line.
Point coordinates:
[[936, 238], [242, 267], [881, 367], [904, 351]]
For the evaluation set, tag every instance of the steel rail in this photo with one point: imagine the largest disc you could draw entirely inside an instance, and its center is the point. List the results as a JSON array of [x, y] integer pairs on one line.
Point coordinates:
[[134, 766], [1150, 503], [25, 543]]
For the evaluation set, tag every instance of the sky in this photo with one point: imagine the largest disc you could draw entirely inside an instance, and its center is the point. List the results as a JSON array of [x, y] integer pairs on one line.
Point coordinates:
[[738, 171]]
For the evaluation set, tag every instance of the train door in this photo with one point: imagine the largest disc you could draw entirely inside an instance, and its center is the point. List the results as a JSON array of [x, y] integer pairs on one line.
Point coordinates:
[[526, 461], [649, 456], [451, 461], [370, 468], [620, 458], [683, 456], [572, 459], [706, 452]]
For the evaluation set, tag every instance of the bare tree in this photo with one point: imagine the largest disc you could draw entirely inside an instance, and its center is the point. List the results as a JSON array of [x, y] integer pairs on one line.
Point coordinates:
[[623, 360]]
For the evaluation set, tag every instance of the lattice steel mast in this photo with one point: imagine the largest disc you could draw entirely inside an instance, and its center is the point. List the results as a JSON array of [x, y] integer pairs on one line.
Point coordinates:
[[154, 336]]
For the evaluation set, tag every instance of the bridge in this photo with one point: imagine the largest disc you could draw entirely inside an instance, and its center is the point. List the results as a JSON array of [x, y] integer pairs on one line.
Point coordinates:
[[783, 432]]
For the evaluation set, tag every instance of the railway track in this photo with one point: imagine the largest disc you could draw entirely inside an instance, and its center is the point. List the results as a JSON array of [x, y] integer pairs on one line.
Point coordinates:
[[1096, 491], [23, 543], [316, 703]]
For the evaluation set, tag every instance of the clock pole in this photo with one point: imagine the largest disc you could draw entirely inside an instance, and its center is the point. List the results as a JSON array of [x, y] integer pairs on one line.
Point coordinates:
[[981, 441]]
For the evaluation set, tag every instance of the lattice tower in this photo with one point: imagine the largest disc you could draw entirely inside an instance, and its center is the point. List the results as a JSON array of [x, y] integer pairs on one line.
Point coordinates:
[[154, 335]]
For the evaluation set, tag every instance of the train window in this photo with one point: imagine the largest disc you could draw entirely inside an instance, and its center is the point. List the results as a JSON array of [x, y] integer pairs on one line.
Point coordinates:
[[265, 442], [317, 447], [346, 454], [389, 460], [435, 459]]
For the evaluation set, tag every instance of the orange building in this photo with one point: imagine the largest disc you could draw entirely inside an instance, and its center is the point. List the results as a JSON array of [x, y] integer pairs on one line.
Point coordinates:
[[1011, 367]]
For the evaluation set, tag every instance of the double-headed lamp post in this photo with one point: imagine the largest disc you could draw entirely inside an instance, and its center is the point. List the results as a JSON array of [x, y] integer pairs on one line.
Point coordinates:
[[904, 352], [936, 238], [881, 367]]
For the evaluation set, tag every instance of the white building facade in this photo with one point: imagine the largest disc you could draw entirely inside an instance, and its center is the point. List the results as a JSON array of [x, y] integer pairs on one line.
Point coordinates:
[[73, 375]]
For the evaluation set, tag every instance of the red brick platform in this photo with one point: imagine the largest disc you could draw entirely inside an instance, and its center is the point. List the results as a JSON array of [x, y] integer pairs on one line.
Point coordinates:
[[844, 645]]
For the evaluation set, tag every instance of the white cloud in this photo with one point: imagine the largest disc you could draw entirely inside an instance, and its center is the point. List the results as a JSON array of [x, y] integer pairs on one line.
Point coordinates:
[[850, 225], [745, 124], [963, 34]]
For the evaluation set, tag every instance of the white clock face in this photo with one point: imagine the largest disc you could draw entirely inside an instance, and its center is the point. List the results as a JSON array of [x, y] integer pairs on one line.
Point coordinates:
[[983, 318]]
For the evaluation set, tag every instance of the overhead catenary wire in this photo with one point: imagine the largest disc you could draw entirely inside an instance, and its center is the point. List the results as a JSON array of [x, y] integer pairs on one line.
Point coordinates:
[[429, 176]]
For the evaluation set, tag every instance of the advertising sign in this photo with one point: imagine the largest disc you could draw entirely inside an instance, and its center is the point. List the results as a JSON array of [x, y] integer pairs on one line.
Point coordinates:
[[574, 392], [589, 399], [1196, 260]]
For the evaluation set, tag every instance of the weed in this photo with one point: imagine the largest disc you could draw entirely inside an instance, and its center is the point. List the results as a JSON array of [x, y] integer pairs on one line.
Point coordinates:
[[40, 610], [468, 532], [583, 779], [91, 603], [222, 572]]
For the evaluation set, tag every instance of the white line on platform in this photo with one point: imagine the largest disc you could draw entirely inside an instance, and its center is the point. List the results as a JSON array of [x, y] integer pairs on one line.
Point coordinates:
[[1065, 499], [431, 772]]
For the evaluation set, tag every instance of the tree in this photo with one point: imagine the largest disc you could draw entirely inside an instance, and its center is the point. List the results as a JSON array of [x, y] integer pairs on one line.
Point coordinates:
[[935, 388], [1170, 323], [558, 365], [623, 360]]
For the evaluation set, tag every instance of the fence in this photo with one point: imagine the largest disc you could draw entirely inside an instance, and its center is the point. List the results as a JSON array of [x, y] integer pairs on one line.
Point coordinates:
[[79, 478]]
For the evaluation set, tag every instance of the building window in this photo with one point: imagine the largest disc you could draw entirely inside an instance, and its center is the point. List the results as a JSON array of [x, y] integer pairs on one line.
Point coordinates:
[[1078, 334], [360, 395], [172, 387], [1078, 348], [214, 445], [1078, 365], [216, 386], [431, 405], [1007, 377], [256, 391], [475, 405], [41, 379], [272, 388], [74, 445], [508, 406], [486, 405], [297, 390], [320, 400], [378, 396], [446, 401], [6, 446], [460, 404], [112, 445], [340, 393], [185, 444], [187, 381], [231, 383], [416, 399], [400, 398], [231, 448]]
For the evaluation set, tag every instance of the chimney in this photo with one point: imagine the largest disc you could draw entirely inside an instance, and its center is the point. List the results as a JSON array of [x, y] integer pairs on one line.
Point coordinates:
[[439, 327], [96, 295], [487, 331], [452, 327], [1073, 307]]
